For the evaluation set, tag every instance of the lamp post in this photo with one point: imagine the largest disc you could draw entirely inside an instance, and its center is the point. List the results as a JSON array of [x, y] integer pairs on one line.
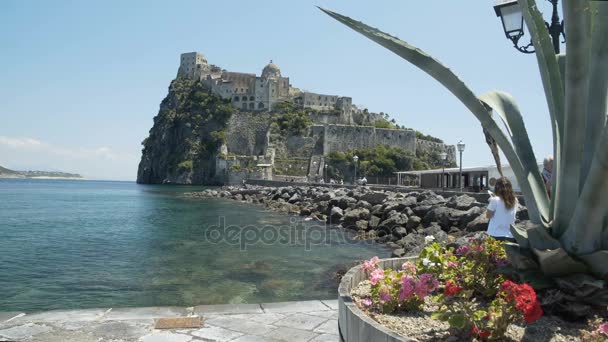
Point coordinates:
[[460, 146], [355, 159], [325, 172], [443, 157], [512, 19]]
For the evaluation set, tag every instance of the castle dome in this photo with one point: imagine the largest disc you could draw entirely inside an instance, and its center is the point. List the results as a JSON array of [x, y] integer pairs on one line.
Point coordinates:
[[271, 70]]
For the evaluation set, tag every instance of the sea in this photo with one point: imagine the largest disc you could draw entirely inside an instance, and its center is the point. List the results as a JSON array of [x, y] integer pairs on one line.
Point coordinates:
[[74, 244]]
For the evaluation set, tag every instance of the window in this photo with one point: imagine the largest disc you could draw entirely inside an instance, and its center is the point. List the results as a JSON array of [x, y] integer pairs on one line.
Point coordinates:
[[236, 98], [251, 98], [260, 105], [244, 106], [251, 106]]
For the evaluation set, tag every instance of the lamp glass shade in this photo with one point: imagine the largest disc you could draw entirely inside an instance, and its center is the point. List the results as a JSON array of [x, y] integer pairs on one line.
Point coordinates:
[[460, 146], [443, 155], [512, 18], [355, 158]]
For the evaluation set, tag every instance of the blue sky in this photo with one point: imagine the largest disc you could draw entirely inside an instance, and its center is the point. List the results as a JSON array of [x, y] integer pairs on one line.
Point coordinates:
[[81, 80]]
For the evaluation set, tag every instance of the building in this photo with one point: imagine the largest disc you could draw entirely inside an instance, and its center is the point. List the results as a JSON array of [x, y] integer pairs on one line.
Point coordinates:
[[249, 92], [473, 178]]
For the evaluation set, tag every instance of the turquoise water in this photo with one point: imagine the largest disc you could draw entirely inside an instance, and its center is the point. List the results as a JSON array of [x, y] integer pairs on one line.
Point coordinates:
[[84, 244]]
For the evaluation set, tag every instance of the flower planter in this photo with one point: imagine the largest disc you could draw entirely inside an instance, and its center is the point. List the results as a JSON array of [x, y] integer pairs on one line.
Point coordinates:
[[353, 324]]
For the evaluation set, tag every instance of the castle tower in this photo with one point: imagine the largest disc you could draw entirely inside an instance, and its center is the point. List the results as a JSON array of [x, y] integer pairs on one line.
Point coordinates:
[[193, 65]]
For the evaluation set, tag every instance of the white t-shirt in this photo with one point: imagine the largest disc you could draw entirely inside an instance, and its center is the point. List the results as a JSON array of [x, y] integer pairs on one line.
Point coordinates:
[[503, 218]]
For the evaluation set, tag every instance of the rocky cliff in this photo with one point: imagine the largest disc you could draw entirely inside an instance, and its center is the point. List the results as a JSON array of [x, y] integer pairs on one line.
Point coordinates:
[[184, 140]]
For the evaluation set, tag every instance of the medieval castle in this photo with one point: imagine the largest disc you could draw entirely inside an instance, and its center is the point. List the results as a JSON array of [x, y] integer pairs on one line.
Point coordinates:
[[338, 125]]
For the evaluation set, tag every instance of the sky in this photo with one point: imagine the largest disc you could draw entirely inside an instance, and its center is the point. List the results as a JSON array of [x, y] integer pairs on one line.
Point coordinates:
[[80, 81]]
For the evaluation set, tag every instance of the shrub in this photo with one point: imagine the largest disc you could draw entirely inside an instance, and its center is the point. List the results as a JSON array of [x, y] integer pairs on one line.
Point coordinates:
[[397, 290], [185, 165]]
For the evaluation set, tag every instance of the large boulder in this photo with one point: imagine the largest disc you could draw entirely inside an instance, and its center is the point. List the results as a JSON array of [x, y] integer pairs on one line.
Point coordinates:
[[397, 206], [422, 210], [354, 215], [325, 196], [470, 216], [335, 215], [294, 198], [478, 224], [412, 244], [413, 222], [395, 220], [399, 232], [436, 232], [374, 198], [374, 221], [361, 225], [463, 202], [364, 204], [446, 217]]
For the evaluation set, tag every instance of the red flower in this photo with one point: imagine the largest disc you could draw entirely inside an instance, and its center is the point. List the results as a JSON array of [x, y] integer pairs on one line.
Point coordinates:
[[535, 313], [480, 333], [451, 288]]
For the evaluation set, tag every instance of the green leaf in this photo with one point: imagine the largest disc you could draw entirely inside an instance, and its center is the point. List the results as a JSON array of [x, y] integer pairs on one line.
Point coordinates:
[[479, 315], [442, 316], [457, 321], [598, 83], [531, 183], [552, 81], [597, 262], [557, 262], [576, 99]]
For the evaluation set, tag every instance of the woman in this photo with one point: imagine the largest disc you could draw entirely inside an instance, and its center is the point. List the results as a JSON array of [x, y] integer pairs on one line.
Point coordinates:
[[501, 210]]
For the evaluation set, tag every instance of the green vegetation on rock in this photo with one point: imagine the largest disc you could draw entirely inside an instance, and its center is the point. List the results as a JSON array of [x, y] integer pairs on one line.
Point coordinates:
[[290, 119]]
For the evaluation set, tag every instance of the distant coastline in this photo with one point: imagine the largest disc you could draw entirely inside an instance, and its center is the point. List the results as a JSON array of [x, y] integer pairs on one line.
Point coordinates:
[[7, 173]]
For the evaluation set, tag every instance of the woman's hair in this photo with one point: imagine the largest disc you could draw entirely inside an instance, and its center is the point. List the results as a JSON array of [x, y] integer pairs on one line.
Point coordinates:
[[504, 190]]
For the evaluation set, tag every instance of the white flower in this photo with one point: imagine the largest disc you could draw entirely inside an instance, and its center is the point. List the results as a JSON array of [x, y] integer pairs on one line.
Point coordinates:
[[428, 239], [425, 261]]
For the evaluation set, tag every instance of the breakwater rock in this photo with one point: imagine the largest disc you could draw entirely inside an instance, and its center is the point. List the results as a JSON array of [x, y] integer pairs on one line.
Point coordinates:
[[403, 221]]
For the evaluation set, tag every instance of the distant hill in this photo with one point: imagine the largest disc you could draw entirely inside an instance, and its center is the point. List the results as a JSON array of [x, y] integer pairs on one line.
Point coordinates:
[[6, 173]]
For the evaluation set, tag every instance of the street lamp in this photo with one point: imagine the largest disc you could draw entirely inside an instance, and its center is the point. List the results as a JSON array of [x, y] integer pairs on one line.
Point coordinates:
[[325, 172], [443, 156], [512, 19], [460, 146], [355, 159]]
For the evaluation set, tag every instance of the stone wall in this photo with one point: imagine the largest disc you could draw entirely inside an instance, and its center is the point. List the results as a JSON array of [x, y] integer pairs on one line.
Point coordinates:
[[248, 133], [345, 138]]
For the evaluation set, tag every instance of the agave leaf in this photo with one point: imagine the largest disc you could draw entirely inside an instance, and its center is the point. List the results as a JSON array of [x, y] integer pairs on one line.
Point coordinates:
[[536, 279], [585, 234], [539, 238], [506, 107], [552, 83], [597, 262], [598, 83], [449, 80], [520, 234], [556, 262], [577, 91]]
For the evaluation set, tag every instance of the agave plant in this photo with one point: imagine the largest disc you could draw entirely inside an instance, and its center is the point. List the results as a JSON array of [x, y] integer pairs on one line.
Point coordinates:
[[567, 239]]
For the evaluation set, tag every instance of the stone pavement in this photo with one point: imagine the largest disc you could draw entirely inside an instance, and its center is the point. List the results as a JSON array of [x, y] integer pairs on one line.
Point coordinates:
[[314, 321]]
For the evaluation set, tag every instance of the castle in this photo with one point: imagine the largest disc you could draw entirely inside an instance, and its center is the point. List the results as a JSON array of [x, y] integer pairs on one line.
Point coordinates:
[[249, 92], [338, 125]]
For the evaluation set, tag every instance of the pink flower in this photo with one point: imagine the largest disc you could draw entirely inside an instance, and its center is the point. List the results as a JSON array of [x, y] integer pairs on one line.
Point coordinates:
[[462, 250], [384, 295], [603, 328], [367, 302], [407, 288], [409, 268], [425, 285], [452, 264], [370, 265], [376, 276]]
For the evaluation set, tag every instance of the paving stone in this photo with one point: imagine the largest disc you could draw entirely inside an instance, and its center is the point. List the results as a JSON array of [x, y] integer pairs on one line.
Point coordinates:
[[227, 309], [332, 304], [266, 318], [119, 329], [251, 338], [216, 334], [291, 334], [300, 321], [329, 327], [287, 307], [145, 313], [165, 337], [24, 331], [5, 316], [326, 338], [241, 325], [325, 314], [64, 315], [69, 336]]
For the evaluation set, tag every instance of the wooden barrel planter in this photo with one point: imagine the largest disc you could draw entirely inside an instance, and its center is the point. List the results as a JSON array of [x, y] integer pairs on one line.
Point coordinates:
[[353, 324]]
